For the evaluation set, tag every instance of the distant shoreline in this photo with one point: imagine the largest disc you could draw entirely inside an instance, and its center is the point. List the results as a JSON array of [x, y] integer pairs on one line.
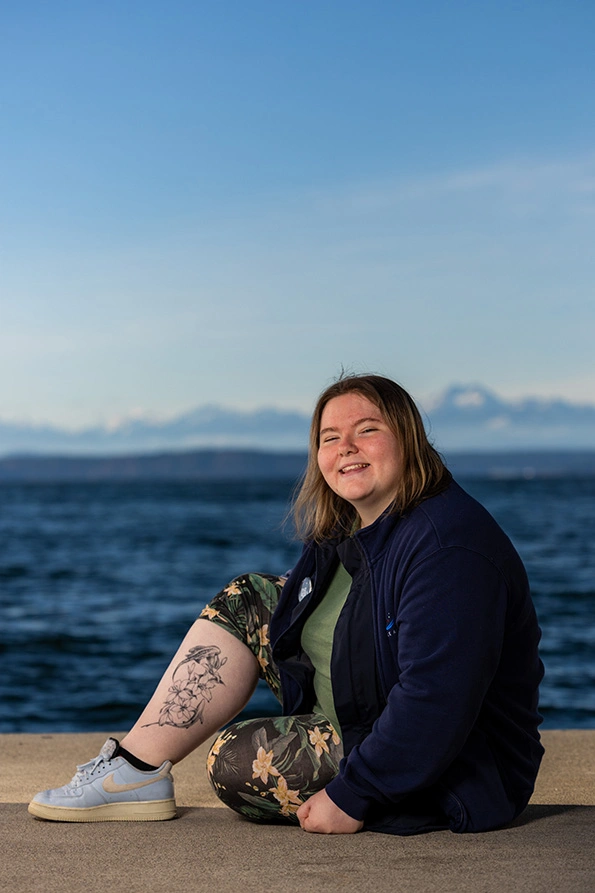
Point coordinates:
[[236, 464]]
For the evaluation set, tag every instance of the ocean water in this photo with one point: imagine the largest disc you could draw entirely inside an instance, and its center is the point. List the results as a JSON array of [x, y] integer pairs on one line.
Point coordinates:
[[99, 582]]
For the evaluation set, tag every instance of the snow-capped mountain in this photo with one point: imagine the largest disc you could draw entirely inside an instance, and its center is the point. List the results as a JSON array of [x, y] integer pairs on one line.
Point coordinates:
[[206, 426], [472, 417], [465, 417]]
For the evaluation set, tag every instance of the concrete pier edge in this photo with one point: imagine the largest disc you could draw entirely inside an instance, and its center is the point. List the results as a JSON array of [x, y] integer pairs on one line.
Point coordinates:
[[551, 847]]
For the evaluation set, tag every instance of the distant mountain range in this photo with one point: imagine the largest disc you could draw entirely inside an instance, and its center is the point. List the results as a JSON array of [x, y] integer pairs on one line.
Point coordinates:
[[471, 417], [465, 418], [228, 464]]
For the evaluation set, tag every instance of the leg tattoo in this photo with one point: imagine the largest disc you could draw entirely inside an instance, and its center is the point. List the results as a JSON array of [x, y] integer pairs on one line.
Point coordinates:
[[188, 694]]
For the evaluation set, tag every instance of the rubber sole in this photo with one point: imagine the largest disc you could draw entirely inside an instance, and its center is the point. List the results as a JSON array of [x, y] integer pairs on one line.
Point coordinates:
[[147, 811]]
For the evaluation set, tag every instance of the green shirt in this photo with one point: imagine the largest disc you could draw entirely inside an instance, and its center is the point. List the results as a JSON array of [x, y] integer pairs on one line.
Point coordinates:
[[317, 641]]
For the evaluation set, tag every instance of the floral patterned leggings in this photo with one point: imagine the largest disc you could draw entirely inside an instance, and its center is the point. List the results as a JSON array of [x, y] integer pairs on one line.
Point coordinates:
[[265, 768]]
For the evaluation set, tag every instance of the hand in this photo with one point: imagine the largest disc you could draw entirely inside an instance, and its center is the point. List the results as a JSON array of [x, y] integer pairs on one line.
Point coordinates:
[[320, 815]]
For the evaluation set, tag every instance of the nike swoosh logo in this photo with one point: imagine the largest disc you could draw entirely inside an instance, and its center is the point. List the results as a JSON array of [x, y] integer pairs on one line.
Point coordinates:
[[112, 787]]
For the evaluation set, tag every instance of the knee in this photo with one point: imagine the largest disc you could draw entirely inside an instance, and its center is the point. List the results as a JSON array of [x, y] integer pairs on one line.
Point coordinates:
[[226, 763]]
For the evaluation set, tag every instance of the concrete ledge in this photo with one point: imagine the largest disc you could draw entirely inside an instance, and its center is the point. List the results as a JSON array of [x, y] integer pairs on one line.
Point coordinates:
[[208, 847], [31, 763]]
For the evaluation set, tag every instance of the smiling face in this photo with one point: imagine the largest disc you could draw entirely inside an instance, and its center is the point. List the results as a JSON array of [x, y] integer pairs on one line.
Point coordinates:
[[358, 455]]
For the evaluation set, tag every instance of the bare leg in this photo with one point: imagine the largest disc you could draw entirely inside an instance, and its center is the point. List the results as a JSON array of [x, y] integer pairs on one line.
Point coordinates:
[[210, 679]]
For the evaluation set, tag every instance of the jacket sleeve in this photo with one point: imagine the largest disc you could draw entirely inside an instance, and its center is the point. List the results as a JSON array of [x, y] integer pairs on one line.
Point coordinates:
[[449, 633]]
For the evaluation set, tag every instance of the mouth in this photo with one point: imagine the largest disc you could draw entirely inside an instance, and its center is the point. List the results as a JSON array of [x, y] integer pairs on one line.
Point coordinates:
[[355, 467]]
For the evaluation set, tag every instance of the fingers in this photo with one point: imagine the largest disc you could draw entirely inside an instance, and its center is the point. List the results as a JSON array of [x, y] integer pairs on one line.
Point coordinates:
[[302, 814], [312, 827], [319, 815]]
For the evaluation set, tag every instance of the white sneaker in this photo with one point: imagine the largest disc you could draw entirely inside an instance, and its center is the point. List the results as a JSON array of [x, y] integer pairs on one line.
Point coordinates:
[[109, 789]]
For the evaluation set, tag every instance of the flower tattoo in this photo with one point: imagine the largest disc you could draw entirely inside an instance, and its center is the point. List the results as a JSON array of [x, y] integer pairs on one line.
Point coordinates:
[[191, 688]]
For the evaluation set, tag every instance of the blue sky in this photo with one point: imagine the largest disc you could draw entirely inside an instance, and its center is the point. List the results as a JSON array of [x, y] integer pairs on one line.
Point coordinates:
[[227, 201]]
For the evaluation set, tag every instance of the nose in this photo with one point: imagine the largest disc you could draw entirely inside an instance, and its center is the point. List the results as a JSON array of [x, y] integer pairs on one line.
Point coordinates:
[[347, 446]]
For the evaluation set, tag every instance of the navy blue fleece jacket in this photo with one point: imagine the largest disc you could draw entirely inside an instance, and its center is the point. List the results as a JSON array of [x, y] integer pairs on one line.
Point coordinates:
[[435, 667]]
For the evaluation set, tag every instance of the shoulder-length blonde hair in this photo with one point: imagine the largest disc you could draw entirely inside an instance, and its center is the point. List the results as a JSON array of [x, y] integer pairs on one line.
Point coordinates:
[[318, 512]]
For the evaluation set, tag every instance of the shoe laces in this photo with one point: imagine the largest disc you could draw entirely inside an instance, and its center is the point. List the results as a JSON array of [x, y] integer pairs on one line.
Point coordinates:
[[85, 770]]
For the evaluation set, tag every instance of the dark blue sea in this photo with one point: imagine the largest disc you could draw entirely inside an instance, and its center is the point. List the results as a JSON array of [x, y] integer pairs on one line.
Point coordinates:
[[99, 581]]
